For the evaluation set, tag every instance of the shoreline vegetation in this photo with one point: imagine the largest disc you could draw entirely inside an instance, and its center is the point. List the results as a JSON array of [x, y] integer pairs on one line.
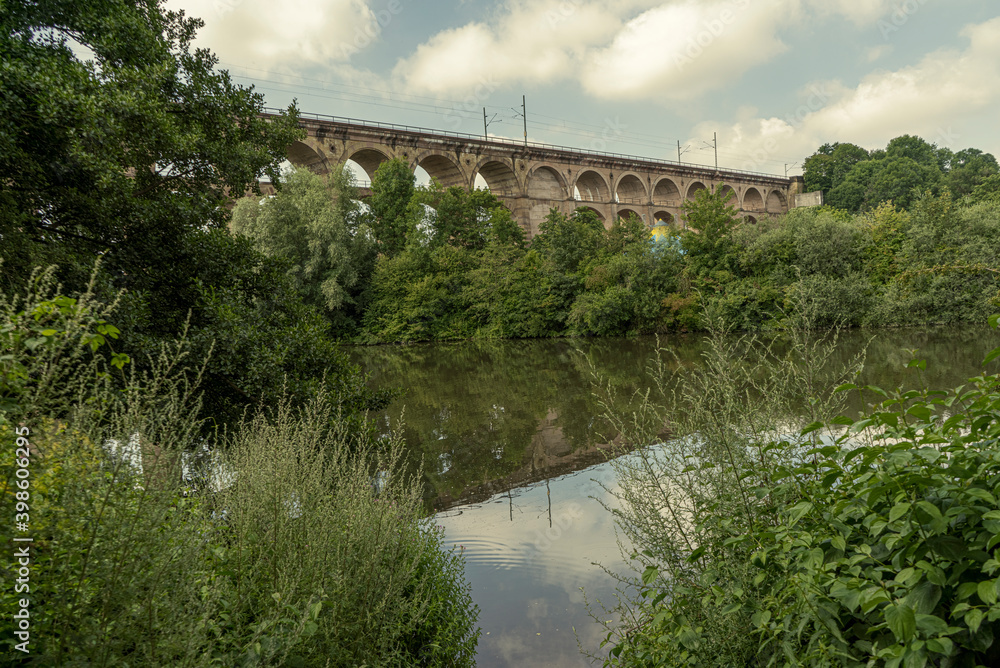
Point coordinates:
[[205, 332], [776, 530], [432, 264], [284, 540]]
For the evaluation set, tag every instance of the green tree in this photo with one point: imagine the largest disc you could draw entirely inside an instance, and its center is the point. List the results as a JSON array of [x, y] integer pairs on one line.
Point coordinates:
[[568, 241], [708, 240], [988, 190], [131, 155], [125, 152], [472, 219], [315, 224], [897, 177], [969, 169], [914, 148], [828, 166], [393, 188]]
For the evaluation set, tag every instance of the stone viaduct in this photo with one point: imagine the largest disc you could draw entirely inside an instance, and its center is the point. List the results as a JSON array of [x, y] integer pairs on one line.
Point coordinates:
[[532, 178]]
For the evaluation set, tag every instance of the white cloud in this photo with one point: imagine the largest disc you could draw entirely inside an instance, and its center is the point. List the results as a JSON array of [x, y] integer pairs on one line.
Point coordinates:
[[960, 86], [288, 34], [534, 42], [621, 49], [681, 50]]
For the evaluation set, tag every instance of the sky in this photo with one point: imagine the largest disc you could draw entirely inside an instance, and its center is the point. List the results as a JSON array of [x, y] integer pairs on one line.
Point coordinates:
[[772, 80]]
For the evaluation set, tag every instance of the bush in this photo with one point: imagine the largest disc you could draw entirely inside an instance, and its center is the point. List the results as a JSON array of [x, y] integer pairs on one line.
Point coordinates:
[[891, 553], [156, 546], [864, 542]]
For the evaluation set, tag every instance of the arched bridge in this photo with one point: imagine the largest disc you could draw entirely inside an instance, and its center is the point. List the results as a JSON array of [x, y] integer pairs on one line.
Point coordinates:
[[532, 178]]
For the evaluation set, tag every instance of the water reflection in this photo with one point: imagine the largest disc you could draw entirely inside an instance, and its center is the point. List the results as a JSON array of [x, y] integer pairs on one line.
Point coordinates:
[[504, 429], [527, 574], [488, 416]]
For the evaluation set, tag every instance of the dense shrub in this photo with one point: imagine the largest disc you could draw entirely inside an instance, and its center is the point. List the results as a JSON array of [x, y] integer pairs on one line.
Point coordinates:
[[290, 541], [841, 542]]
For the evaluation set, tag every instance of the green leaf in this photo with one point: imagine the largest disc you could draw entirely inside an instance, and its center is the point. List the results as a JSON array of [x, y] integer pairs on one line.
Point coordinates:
[[810, 428], [919, 364], [898, 511], [994, 321], [931, 625], [796, 512], [987, 592], [902, 621], [845, 387], [973, 618], [992, 355], [940, 645], [689, 638], [731, 608], [859, 425], [952, 548], [923, 598]]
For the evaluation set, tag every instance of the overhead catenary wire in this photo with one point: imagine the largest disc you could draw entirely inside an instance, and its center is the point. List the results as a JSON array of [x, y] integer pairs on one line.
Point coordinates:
[[411, 102]]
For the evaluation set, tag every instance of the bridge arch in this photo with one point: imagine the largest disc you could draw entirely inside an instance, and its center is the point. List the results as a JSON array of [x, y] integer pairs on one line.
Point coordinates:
[[600, 216], [666, 193], [592, 187], [750, 219], [663, 216], [776, 202], [630, 190], [499, 176], [301, 154], [729, 196], [442, 168], [368, 159], [544, 182], [624, 214], [752, 200], [693, 189]]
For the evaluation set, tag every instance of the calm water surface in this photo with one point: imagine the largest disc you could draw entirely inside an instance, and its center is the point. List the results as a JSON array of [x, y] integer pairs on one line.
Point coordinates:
[[513, 455]]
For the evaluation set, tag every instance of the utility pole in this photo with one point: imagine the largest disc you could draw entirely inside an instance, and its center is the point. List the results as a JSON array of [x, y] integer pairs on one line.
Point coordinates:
[[524, 114], [679, 151], [715, 145], [486, 124]]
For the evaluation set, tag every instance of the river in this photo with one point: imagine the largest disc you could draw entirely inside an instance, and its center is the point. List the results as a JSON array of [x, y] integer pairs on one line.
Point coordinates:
[[514, 458]]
